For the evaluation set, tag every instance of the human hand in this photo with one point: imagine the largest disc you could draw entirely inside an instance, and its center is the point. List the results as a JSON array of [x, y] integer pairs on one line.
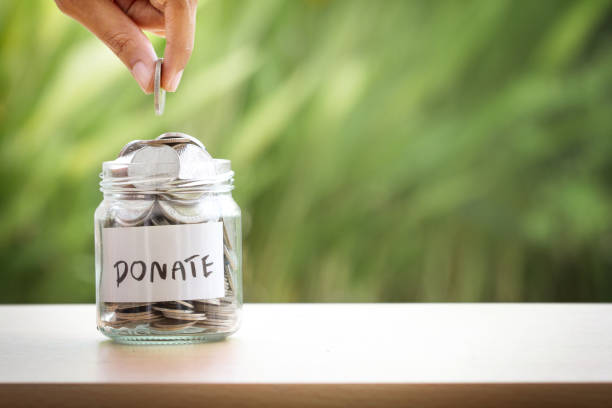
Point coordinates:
[[119, 25]]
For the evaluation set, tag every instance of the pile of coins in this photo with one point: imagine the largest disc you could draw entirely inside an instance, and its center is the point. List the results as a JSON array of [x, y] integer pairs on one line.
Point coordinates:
[[182, 158]]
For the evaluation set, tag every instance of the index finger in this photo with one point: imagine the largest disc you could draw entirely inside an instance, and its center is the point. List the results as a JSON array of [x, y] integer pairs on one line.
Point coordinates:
[[109, 23], [180, 18]]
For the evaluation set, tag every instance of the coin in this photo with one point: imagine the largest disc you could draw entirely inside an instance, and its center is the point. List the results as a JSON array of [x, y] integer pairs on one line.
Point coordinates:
[[135, 145], [208, 323], [179, 135], [229, 279], [185, 316], [130, 148], [146, 307], [159, 94], [172, 310], [170, 141], [153, 166], [226, 239], [186, 213], [156, 217], [171, 324], [134, 316], [213, 316], [120, 306], [229, 258], [131, 213], [195, 163], [184, 303], [220, 315], [174, 306], [219, 318], [164, 139]]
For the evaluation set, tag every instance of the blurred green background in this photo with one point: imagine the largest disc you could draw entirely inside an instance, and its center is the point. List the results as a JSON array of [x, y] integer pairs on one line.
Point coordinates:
[[384, 151]]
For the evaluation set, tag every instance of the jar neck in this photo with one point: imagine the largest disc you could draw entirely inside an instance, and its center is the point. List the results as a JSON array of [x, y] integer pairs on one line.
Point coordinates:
[[138, 179], [164, 196]]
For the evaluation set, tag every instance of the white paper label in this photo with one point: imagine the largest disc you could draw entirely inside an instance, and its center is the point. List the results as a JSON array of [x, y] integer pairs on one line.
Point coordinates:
[[160, 263]]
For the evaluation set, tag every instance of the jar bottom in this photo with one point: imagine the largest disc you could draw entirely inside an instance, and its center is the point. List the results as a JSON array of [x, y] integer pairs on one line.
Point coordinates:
[[165, 339], [123, 337]]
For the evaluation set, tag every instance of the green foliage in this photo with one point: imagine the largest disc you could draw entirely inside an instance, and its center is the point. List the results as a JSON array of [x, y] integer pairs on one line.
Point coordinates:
[[384, 151]]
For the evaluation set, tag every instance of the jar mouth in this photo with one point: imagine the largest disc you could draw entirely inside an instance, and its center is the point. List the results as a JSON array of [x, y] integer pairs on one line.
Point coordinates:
[[118, 177]]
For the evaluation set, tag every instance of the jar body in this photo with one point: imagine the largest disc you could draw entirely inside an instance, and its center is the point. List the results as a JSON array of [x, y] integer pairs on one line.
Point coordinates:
[[168, 267]]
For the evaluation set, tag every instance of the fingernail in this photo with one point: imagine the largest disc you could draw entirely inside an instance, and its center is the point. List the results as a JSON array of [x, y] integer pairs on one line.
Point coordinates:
[[143, 75], [176, 81]]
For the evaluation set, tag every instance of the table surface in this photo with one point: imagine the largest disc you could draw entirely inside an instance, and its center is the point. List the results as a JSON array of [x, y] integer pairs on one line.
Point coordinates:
[[407, 344]]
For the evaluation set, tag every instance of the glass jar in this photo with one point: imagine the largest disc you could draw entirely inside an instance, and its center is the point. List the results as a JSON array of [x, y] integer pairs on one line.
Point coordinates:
[[168, 245]]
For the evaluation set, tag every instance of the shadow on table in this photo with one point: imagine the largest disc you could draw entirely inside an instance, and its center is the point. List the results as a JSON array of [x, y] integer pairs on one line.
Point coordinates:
[[209, 361]]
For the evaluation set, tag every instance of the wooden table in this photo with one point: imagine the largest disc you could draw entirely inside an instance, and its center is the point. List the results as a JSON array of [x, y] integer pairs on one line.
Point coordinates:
[[421, 355]]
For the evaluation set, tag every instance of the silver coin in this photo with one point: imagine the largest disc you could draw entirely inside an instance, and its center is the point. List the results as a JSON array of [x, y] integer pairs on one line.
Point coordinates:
[[183, 316], [172, 324], [135, 322], [135, 316], [159, 94], [111, 306], [129, 149], [229, 258], [170, 141], [183, 196], [156, 217], [185, 303], [172, 309], [179, 135], [135, 145], [131, 213], [219, 324], [190, 213], [153, 166], [226, 239], [157, 220], [175, 305], [195, 163], [220, 314], [229, 279]]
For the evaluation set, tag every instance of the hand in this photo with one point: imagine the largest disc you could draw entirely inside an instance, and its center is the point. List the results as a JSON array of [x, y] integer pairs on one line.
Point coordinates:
[[119, 25]]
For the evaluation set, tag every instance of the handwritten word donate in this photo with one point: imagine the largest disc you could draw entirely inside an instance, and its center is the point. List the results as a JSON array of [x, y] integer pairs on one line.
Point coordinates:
[[138, 269]]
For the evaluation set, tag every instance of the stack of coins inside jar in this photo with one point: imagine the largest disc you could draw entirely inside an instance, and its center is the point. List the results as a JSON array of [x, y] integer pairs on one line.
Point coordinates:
[[152, 187]]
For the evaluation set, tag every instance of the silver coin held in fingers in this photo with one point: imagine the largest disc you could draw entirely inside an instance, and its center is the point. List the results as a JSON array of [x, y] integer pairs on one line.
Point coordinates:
[[159, 94]]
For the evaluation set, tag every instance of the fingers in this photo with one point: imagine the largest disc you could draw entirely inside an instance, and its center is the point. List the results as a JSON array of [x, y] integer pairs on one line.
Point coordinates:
[[180, 29], [117, 25], [109, 23], [144, 14]]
